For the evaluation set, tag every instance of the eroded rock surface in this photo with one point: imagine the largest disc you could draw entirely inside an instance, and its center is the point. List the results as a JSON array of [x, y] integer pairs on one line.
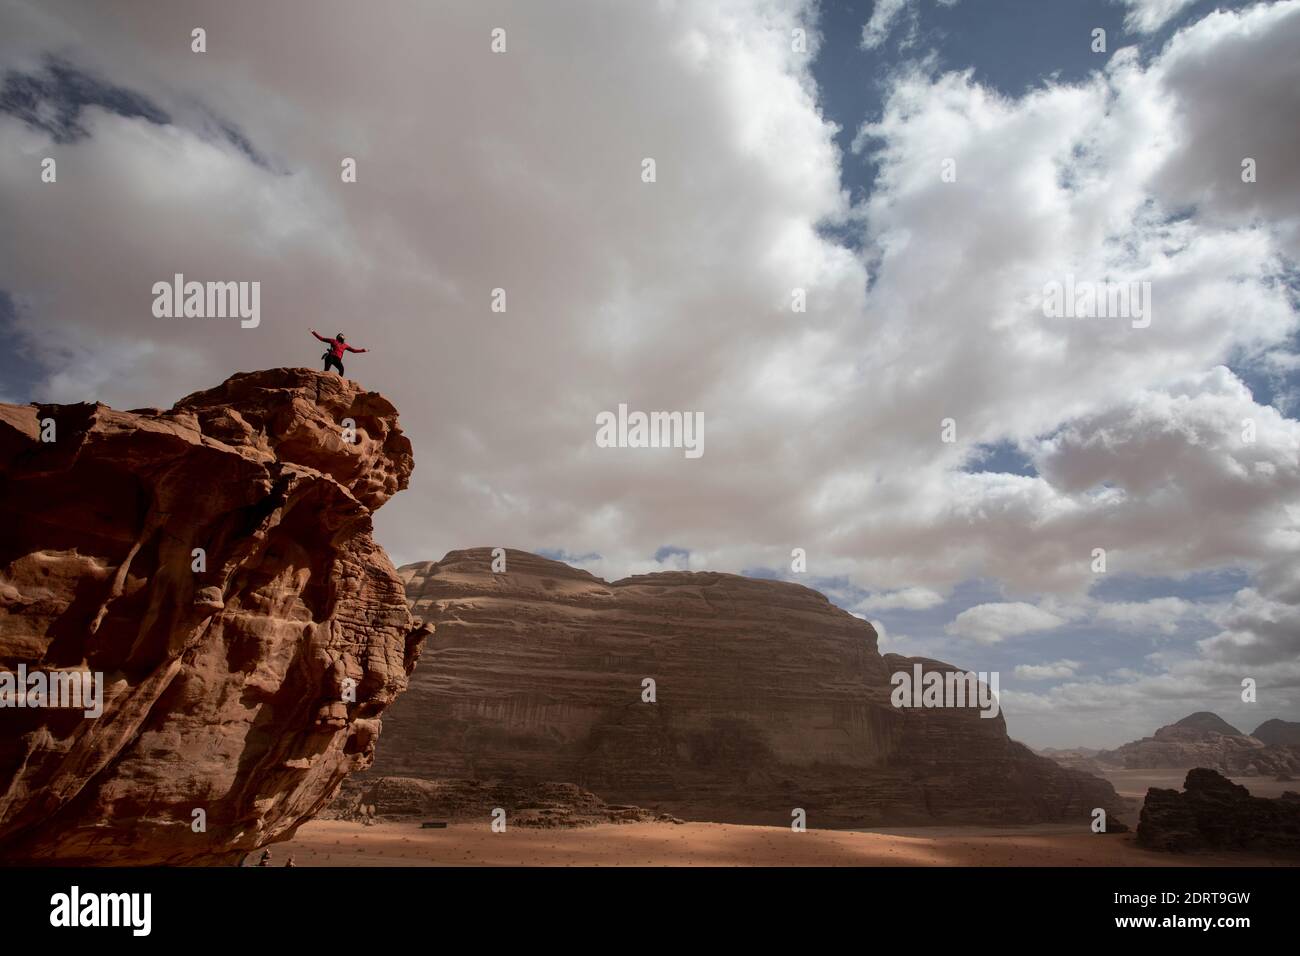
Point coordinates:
[[366, 798], [1212, 812], [768, 699], [227, 678]]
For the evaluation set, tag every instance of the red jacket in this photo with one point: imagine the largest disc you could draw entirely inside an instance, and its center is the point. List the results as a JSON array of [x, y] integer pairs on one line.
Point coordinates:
[[336, 346]]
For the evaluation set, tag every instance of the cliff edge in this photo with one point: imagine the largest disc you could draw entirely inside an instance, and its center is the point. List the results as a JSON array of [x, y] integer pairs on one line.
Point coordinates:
[[215, 564]]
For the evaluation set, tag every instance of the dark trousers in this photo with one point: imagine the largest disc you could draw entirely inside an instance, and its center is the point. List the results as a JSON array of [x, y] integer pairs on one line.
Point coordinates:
[[331, 360]]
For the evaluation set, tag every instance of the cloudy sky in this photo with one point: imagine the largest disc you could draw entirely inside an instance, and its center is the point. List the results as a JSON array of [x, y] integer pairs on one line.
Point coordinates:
[[920, 169]]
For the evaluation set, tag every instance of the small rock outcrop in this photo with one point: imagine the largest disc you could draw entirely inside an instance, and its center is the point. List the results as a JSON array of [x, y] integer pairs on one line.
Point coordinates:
[[1211, 812], [767, 699], [215, 564]]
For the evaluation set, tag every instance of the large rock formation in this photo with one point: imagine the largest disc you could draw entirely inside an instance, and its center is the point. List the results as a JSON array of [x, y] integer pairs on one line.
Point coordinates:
[[1204, 740], [1212, 812], [768, 698], [244, 680]]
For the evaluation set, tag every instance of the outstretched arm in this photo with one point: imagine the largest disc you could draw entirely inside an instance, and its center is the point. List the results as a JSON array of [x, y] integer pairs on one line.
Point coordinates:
[[318, 335], [351, 349]]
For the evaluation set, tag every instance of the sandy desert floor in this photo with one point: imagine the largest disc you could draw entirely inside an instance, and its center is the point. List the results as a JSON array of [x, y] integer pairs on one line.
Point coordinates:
[[403, 843], [341, 843], [1134, 783]]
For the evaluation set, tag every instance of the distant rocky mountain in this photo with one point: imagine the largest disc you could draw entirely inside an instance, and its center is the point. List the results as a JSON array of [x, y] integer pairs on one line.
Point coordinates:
[[1203, 722], [1078, 758], [767, 699], [1279, 733], [1205, 740]]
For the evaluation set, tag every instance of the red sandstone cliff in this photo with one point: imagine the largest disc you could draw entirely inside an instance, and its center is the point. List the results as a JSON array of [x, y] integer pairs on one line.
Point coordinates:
[[226, 687], [769, 698]]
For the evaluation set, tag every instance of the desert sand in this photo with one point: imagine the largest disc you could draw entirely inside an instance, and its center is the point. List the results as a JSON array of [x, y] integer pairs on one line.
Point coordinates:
[[402, 842], [344, 843], [1134, 783]]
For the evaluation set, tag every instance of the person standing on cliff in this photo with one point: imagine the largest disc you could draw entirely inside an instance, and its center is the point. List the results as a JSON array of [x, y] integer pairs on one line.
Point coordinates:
[[334, 354]]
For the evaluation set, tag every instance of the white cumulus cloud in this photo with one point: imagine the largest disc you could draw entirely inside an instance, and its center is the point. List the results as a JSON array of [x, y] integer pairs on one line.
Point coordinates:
[[1054, 671], [991, 623]]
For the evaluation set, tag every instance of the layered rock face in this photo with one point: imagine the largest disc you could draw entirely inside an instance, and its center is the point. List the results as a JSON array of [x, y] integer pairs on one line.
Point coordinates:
[[768, 699], [244, 680], [1205, 740], [1212, 812]]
